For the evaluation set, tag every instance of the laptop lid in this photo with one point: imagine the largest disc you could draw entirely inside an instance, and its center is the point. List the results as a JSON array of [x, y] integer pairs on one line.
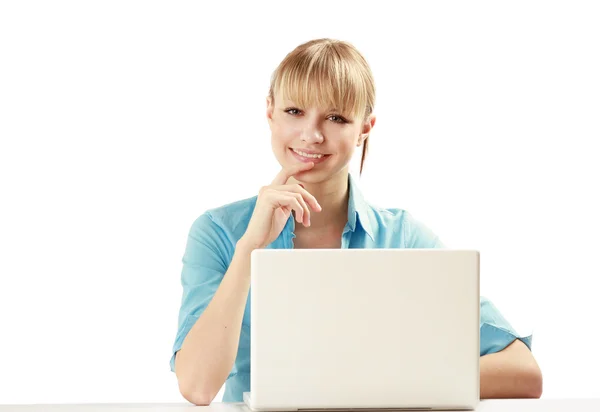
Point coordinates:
[[364, 329]]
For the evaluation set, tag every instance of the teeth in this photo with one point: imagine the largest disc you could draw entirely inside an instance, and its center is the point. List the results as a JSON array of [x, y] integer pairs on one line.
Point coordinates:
[[314, 156]]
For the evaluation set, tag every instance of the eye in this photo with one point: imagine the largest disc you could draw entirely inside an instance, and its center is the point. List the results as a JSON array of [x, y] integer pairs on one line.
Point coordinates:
[[292, 110], [339, 119]]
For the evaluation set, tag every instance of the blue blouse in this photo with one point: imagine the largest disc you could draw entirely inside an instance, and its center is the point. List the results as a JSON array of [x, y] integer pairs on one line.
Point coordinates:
[[214, 234]]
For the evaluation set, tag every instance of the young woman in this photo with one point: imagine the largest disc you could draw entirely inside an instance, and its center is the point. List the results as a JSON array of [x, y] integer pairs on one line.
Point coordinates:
[[320, 110]]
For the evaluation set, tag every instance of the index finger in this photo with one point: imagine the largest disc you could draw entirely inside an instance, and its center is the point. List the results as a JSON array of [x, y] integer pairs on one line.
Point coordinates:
[[283, 176]]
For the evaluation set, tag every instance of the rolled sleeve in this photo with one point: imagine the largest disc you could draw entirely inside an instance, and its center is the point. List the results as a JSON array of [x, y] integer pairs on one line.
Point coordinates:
[[496, 333], [206, 259]]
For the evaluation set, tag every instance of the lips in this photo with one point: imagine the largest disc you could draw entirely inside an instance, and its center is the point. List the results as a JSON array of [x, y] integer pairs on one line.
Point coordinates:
[[309, 159]]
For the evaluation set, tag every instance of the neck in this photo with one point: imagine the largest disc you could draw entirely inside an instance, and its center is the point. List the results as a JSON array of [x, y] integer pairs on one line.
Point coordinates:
[[332, 195]]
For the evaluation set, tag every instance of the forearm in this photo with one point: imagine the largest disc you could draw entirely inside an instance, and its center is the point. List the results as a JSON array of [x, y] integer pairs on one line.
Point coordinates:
[[503, 378], [210, 348]]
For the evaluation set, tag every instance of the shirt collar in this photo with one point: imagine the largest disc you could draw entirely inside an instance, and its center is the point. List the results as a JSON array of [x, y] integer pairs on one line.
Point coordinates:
[[358, 208]]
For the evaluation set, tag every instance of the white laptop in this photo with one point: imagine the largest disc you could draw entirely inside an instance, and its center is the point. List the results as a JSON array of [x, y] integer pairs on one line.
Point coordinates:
[[364, 329]]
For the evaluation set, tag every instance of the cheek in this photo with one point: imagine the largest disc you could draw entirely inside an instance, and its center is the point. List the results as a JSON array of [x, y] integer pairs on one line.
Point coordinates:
[[276, 132], [347, 144], [282, 133], [280, 140]]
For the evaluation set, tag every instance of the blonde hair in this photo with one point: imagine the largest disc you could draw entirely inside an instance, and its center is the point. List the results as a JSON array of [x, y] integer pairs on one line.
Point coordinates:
[[327, 73]]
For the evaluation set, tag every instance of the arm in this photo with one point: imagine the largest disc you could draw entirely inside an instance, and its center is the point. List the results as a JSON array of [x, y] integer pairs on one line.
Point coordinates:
[[214, 299], [209, 350], [507, 370], [510, 373]]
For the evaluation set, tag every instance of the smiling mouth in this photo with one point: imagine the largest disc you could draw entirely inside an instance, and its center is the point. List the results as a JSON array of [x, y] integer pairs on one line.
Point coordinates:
[[309, 155]]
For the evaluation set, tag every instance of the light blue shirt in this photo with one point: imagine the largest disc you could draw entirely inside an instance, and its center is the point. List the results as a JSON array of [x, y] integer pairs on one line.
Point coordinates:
[[210, 248]]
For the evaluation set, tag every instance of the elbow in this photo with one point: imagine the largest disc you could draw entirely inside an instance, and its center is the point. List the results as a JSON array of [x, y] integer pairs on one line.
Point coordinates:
[[198, 394], [537, 386], [198, 397], [535, 383], [195, 393]]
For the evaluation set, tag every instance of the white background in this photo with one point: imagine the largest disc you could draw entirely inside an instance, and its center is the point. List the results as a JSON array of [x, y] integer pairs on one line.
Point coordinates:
[[122, 121]]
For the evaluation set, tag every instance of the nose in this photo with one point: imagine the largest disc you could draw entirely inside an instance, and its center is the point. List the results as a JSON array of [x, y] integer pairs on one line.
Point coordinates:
[[312, 135]]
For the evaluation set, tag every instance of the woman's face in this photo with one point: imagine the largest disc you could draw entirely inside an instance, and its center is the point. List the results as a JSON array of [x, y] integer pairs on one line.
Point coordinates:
[[326, 134]]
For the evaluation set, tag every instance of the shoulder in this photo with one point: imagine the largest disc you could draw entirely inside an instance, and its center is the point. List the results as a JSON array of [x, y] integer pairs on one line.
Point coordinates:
[[404, 226], [229, 221]]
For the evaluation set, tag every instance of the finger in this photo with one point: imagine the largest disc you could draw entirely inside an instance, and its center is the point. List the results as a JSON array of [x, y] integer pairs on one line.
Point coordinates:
[[285, 173], [282, 199], [308, 197], [302, 202]]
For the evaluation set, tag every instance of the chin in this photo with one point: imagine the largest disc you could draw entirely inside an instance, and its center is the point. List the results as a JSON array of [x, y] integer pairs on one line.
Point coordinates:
[[311, 178], [320, 176]]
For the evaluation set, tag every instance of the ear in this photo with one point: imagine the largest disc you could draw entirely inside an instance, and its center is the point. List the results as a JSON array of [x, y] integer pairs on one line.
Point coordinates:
[[366, 129], [270, 108]]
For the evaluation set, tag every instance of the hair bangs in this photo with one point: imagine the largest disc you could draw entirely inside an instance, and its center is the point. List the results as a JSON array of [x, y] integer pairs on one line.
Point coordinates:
[[323, 79]]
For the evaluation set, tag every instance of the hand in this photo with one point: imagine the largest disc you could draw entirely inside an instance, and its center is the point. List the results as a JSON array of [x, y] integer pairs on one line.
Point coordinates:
[[274, 205]]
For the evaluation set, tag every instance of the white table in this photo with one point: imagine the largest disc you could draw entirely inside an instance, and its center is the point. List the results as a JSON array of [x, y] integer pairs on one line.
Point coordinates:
[[489, 405]]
